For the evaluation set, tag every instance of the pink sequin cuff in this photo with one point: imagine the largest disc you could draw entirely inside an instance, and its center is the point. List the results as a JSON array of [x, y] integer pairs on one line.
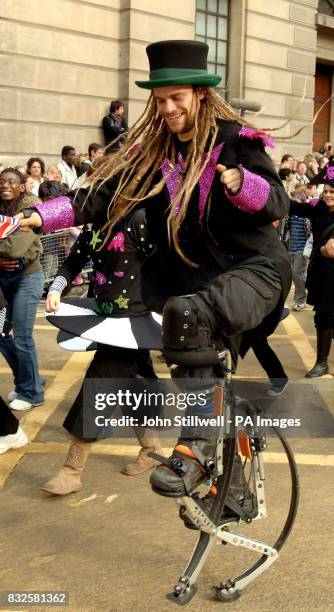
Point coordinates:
[[253, 194], [56, 214]]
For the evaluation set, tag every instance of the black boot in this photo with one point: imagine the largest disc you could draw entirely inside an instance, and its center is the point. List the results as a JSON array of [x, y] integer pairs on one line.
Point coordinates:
[[187, 467], [193, 457], [324, 341], [187, 332], [239, 503]]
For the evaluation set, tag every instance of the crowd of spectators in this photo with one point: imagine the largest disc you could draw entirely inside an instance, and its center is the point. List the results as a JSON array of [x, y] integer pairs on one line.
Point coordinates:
[[295, 231]]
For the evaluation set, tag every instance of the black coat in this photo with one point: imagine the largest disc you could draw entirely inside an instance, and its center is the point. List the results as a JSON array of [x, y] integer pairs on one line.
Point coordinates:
[[111, 130], [320, 274], [226, 237]]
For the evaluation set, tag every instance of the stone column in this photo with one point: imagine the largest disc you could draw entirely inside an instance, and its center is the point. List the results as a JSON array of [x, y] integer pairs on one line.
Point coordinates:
[[280, 55]]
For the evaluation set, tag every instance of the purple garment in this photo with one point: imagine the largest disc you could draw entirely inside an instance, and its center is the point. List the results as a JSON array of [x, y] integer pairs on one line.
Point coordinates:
[[253, 133], [173, 175], [56, 214], [253, 194], [205, 182]]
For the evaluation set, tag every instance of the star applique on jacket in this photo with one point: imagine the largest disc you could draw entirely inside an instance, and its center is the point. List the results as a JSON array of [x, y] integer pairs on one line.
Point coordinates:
[[95, 239], [122, 302]]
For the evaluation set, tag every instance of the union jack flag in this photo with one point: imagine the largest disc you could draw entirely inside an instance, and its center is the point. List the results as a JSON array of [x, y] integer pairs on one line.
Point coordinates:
[[8, 225]]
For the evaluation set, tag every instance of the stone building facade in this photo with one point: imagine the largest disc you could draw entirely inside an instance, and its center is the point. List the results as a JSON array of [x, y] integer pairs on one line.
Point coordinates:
[[63, 62]]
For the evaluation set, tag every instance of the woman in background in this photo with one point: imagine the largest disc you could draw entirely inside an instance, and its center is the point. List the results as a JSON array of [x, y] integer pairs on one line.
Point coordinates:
[[320, 276], [36, 169], [22, 281]]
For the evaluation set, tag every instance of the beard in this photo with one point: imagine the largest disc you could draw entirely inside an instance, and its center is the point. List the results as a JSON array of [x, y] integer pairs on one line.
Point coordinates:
[[187, 126]]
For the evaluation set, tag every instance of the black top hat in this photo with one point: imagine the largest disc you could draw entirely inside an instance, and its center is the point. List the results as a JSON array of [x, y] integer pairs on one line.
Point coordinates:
[[326, 175], [178, 62]]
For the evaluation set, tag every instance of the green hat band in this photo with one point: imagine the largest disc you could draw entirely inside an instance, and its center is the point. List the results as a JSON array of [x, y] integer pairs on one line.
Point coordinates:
[[171, 73]]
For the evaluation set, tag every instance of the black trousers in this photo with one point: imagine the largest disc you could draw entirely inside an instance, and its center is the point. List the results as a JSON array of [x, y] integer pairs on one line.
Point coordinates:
[[268, 359], [323, 320], [8, 422], [241, 298], [108, 363]]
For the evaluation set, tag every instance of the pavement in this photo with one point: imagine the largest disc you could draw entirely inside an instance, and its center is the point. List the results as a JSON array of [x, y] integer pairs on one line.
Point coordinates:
[[116, 546]]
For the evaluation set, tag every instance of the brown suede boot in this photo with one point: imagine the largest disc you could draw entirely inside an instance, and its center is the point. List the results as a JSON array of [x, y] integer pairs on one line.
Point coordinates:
[[149, 443], [68, 479]]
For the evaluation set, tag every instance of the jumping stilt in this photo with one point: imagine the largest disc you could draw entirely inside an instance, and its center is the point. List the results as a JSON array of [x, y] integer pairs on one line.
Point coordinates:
[[214, 524]]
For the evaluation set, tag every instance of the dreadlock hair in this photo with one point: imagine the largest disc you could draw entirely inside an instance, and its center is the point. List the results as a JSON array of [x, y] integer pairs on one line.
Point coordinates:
[[148, 144]]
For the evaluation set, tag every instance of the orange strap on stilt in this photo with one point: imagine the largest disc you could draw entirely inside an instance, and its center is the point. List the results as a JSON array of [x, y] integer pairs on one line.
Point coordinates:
[[182, 448], [244, 447]]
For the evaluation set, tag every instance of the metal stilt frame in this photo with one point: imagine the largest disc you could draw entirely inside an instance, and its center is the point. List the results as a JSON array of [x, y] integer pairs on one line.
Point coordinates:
[[210, 525]]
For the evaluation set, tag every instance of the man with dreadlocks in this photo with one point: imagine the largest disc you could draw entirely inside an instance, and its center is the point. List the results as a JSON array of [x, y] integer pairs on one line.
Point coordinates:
[[186, 206]]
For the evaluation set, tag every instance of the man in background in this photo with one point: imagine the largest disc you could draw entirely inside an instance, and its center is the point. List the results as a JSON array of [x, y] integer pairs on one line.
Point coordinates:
[[67, 167], [95, 152]]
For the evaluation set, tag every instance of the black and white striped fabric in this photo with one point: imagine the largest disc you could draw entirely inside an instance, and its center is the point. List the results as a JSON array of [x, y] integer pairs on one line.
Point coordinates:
[[2, 319], [75, 343], [76, 317]]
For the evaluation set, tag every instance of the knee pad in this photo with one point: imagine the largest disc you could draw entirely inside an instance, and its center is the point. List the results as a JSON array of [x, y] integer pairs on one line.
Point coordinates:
[[186, 332]]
